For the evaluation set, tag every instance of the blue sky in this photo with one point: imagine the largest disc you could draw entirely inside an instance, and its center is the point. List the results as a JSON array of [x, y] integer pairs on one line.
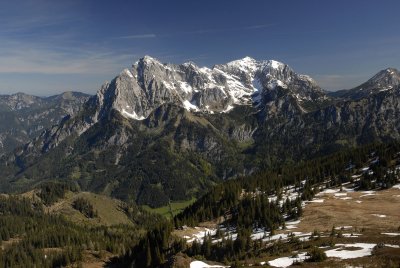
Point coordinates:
[[52, 46]]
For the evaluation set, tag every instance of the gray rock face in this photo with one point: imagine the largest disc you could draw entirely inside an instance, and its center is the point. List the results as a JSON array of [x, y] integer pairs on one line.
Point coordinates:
[[138, 91]]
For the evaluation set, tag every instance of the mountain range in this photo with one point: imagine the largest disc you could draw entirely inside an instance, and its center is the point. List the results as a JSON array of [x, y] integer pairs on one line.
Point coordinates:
[[160, 132], [23, 117]]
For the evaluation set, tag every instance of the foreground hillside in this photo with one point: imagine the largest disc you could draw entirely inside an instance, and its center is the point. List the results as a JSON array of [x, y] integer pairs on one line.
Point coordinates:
[[337, 210], [57, 226], [333, 211], [353, 228]]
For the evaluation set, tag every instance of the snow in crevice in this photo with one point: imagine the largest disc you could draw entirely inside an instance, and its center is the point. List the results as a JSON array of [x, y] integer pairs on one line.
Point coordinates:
[[275, 83], [185, 87], [230, 107], [132, 115], [189, 106], [257, 86], [128, 72], [275, 64], [168, 85], [246, 64]]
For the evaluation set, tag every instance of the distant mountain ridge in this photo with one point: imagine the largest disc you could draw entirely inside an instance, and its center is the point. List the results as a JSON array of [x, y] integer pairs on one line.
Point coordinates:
[[161, 131], [387, 79], [23, 117]]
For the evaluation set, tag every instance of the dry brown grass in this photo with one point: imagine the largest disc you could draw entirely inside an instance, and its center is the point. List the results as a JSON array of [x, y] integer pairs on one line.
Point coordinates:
[[337, 212], [96, 259], [108, 209], [6, 244]]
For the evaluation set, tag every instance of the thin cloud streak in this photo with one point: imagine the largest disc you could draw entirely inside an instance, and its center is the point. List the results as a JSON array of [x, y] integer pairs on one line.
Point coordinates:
[[221, 30], [260, 26], [198, 31], [139, 36], [38, 57], [19, 58]]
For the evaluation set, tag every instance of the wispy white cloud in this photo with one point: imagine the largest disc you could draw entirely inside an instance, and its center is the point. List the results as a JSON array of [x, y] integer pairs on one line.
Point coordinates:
[[58, 54], [16, 57], [257, 26], [221, 30], [30, 16], [197, 31], [139, 36]]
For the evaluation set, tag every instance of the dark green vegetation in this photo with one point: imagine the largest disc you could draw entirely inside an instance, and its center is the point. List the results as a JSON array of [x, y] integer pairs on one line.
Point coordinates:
[[84, 207], [243, 204], [160, 169], [172, 209], [316, 255], [51, 192]]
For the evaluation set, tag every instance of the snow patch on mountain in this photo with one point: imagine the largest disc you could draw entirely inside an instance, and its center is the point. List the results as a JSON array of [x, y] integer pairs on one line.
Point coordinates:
[[275, 64], [185, 87], [246, 64], [128, 73], [189, 106], [132, 115]]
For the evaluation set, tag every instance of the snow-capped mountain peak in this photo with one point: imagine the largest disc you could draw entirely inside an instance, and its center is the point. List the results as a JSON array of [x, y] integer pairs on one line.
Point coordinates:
[[385, 80], [138, 91], [246, 64], [387, 77], [274, 64]]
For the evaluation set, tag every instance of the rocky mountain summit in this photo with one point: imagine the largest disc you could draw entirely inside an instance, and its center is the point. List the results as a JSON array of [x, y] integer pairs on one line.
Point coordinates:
[[138, 91], [160, 132]]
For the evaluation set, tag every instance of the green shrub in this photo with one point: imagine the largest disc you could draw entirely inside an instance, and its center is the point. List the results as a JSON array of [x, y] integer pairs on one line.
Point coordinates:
[[316, 255]]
